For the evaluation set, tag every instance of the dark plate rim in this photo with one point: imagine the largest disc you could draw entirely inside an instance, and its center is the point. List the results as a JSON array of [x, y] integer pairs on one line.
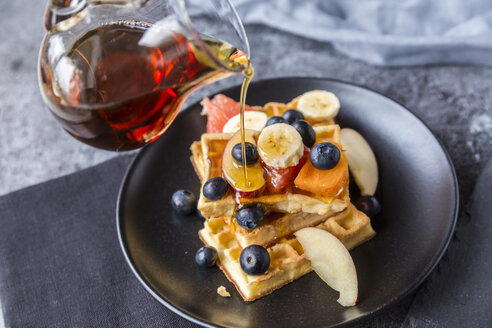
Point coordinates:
[[417, 282]]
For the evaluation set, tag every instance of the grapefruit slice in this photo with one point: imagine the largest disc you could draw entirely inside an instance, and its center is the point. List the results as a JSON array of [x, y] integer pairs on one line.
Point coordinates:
[[219, 110]]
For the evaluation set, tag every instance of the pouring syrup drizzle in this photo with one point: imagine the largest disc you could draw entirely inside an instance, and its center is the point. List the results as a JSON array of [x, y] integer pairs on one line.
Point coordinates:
[[248, 73]]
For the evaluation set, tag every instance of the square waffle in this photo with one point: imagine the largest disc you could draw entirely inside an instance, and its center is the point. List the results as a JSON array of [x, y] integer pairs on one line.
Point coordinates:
[[207, 161], [286, 213], [287, 259]]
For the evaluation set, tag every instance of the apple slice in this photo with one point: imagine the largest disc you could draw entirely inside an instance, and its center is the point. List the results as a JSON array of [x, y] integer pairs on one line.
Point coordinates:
[[331, 261], [361, 160], [234, 172]]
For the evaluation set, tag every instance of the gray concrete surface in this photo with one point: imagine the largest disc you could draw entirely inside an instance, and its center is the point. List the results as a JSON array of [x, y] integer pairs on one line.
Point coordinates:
[[455, 101]]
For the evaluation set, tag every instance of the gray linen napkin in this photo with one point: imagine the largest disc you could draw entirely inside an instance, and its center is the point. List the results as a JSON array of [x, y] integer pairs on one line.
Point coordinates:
[[385, 32]]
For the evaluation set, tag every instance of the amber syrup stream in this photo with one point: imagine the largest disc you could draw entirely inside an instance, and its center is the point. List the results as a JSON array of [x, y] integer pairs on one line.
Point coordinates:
[[248, 73]]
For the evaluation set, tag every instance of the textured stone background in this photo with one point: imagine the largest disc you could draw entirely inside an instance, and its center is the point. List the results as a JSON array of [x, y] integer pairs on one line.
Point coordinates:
[[455, 101]]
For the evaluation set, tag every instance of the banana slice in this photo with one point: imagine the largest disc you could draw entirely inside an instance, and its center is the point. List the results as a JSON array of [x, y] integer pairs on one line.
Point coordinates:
[[253, 120], [280, 145], [318, 105]]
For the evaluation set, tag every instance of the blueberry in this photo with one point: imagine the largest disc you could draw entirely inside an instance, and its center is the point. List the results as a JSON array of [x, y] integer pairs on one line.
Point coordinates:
[[215, 188], [325, 156], [292, 115], [206, 256], [369, 205], [251, 153], [250, 216], [275, 119], [254, 260], [306, 131], [184, 202]]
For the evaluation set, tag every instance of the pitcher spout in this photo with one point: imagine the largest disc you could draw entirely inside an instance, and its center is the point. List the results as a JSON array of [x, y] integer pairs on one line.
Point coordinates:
[[60, 10]]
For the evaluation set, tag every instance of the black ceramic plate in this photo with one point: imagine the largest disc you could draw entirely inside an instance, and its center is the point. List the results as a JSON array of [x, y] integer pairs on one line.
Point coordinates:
[[418, 192]]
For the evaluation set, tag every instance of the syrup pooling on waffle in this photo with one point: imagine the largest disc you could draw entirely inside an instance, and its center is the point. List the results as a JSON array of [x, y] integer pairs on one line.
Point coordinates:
[[351, 226]]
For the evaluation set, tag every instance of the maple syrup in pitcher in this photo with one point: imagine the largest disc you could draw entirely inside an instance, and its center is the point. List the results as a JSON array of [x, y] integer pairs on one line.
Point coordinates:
[[112, 92]]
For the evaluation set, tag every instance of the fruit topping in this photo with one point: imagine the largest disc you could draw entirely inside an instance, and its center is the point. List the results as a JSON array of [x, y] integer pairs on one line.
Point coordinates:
[[215, 188], [280, 146], [328, 183], [253, 120], [234, 173], [219, 110], [292, 115], [331, 261], [184, 201], [250, 150], [369, 205], [275, 119], [318, 105], [361, 159], [254, 260], [279, 179], [325, 156], [306, 131], [250, 216], [206, 256]]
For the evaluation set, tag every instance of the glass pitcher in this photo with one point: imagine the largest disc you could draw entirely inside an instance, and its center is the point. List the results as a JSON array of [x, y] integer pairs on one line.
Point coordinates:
[[115, 72]]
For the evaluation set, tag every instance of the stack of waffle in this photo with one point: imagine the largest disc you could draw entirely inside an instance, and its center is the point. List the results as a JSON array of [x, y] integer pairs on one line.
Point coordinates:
[[288, 212]]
